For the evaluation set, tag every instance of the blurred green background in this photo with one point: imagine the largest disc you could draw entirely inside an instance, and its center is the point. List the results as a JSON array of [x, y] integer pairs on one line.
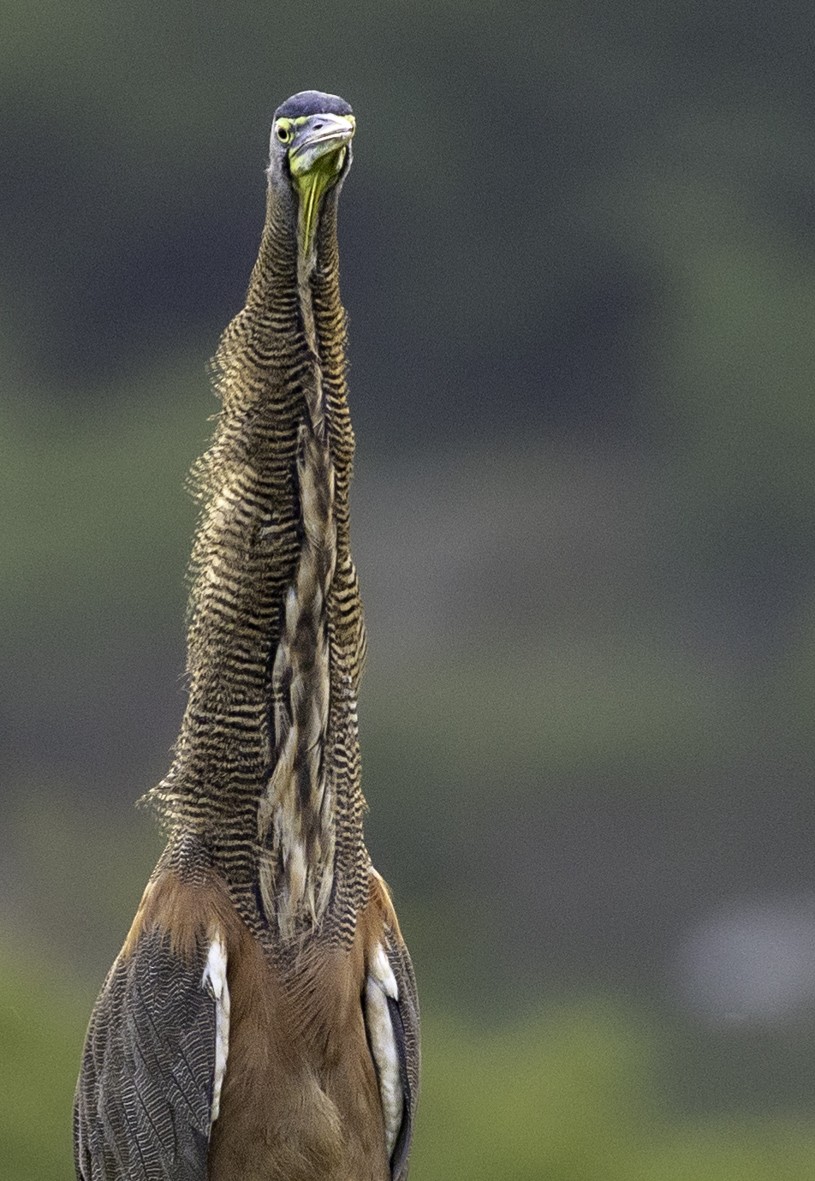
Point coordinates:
[[579, 261]]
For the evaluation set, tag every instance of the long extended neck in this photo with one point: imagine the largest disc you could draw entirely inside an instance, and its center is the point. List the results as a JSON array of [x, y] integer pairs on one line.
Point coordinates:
[[267, 760]]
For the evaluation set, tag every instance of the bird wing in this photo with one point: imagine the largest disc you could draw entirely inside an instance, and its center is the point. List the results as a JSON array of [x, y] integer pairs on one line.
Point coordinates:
[[153, 1062], [405, 1018], [392, 1024]]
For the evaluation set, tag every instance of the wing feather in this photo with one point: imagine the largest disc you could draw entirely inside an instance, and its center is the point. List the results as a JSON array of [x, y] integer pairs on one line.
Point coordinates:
[[392, 1022], [144, 1099]]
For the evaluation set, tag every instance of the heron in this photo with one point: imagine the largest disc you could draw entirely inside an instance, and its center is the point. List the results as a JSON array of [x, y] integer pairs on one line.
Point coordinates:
[[261, 1018]]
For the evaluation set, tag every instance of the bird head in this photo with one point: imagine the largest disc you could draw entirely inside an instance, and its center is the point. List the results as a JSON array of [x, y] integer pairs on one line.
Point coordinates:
[[311, 151]]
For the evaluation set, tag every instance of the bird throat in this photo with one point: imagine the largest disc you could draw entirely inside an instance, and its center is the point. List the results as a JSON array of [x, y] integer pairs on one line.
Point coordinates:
[[311, 187]]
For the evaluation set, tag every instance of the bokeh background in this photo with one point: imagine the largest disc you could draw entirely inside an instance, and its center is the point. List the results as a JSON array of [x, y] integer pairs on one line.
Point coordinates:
[[579, 261]]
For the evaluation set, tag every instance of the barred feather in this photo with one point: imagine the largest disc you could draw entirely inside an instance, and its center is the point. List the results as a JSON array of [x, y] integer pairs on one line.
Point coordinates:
[[232, 1037]]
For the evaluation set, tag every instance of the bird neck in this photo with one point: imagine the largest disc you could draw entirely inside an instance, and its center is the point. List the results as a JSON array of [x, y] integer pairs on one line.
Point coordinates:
[[266, 766]]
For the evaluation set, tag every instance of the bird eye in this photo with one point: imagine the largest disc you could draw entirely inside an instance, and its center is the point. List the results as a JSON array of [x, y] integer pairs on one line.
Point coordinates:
[[284, 131]]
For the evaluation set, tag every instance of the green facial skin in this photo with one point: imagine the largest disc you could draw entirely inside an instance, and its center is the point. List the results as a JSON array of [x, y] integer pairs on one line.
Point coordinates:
[[317, 149]]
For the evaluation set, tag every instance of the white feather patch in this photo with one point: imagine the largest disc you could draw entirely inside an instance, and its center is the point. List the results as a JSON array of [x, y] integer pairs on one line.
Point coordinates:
[[214, 980], [381, 984], [382, 971]]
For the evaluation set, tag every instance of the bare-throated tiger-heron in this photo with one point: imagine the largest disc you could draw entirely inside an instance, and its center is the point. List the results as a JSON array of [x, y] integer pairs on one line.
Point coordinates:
[[260, 1021]]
